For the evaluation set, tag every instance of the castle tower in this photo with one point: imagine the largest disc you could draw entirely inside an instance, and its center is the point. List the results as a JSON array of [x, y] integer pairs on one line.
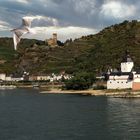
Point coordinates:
[[127, 63], [55, 38], [52, 41]]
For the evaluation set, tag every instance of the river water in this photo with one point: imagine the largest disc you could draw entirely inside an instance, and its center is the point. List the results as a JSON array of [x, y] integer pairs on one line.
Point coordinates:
[[27, 115]]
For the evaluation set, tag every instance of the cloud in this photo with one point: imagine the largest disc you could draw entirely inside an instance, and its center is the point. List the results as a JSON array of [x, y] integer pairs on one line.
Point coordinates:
[[85, 6], [4, 26], [83, 15], [64, 33], [3, 23], [43, 20], [117, 9], [21, 1]]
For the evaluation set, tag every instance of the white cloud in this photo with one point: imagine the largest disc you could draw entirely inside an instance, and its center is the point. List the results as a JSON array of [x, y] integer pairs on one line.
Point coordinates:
[[51, 20], [22, 1], [35, 17], [4, 26], [64, 33], [117, 9], [3, 22]]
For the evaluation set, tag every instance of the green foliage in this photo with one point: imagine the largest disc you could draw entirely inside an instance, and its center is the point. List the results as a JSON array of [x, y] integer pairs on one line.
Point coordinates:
[[99, 87], [108, 47], [6, 53], [92, 53], [80, 81]]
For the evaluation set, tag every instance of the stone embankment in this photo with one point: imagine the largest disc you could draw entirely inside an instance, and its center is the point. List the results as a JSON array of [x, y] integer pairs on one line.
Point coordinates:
[[132, 94], [116, 94]]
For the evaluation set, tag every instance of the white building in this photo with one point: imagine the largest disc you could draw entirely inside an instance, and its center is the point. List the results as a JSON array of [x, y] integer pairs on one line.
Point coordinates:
[[42, 78], [16, 79], [119, 81], [2, 76], [127, 65], [8, 78], [52, 77], [126, 78], [136, 81]]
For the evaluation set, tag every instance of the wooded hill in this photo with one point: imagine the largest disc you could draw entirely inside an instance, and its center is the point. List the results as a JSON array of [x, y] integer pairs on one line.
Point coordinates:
[[92, 53]]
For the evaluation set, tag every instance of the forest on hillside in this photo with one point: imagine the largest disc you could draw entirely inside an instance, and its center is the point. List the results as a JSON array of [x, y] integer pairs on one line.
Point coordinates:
[[92, 53]]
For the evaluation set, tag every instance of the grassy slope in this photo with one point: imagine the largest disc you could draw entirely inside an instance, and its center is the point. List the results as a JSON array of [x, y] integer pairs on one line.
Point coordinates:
[[110, 46], [89, 53]]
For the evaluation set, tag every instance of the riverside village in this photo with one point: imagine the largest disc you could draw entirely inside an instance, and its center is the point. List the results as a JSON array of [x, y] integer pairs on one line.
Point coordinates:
[[69, 69], [123, 79], [28, 79]]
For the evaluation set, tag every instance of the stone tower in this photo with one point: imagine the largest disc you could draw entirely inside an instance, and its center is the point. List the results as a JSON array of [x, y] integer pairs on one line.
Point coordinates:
[[52, 41], [55, 38]]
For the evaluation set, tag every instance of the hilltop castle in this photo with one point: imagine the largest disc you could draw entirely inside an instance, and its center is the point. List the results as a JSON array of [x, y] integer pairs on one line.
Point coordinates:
[[52, 41]]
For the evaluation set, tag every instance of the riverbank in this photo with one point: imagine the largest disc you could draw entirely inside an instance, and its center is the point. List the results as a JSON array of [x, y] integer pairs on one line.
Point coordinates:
[[56, 89], [109, 93]]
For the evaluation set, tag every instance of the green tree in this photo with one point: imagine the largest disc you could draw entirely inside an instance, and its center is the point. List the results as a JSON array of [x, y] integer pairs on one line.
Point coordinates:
[[80, 81]]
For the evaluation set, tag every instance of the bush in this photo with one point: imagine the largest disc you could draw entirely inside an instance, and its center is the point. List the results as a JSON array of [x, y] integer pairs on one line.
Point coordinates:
[[99, 87], [80, 81]]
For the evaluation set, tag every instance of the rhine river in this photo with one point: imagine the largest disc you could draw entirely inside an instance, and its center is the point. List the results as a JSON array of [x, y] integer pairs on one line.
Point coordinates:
[[25, 114]]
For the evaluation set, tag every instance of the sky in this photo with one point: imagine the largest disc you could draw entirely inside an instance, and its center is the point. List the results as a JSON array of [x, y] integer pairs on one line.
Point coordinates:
[[67, 18]]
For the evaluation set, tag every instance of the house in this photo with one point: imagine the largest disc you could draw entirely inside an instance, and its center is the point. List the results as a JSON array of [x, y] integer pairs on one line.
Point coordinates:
[[17, 79], [32, 78], [39, 77], [42, 78], [136, 81], [8, 78], [52, 77], [126, 78], [2, 76]]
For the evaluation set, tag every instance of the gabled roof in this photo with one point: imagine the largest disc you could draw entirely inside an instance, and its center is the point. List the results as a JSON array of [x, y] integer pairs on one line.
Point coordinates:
[[127, 59]]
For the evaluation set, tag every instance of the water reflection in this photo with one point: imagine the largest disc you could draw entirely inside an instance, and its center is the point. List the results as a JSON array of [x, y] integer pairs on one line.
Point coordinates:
[[28, 115], [123, 117]]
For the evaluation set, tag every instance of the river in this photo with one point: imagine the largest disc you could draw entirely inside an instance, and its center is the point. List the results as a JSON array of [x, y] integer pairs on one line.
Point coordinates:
[[25, 114]]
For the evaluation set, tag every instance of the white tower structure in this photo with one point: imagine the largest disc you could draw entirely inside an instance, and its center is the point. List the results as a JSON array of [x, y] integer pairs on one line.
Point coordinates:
[[127, 64], [123, 79]]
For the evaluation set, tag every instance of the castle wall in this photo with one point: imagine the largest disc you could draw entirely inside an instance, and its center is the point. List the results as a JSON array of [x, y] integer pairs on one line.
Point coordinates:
[[136, 82], [119, 84], [136, 86]]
